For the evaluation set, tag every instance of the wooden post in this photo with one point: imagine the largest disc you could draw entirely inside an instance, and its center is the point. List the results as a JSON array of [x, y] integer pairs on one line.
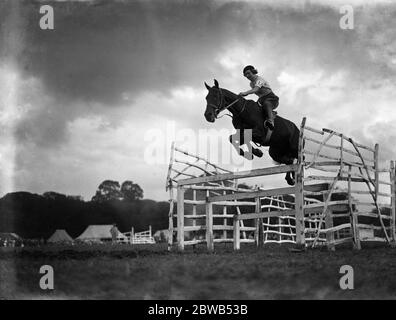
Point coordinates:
[[329, 223], [256, 224], [258, 233], [225, 219], [237, 233], [376, 182], [171, 194], [180, 218], [342, 156], [194, 212], [299, 190], [244, 236], [376, 174], [393, 200], [353, 216], [209, 226], [170, 221], [299, 204], [261, 232]]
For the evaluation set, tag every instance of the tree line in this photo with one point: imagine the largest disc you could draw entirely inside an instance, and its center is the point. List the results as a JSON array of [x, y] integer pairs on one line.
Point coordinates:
[[37, 216]]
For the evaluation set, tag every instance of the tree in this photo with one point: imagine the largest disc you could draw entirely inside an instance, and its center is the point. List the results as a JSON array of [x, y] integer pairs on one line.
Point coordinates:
[[131, 191], [108, 190], [76, 197], [54, 195]]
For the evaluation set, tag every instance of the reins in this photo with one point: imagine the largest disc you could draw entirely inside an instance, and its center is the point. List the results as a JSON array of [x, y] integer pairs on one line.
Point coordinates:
[[220, 108]]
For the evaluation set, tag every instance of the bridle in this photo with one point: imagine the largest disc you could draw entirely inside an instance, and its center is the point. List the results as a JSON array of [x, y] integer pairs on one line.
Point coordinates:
[[222, 107]]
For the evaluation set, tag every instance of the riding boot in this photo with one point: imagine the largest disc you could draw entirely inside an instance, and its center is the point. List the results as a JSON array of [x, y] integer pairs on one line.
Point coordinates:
[[269, 121]]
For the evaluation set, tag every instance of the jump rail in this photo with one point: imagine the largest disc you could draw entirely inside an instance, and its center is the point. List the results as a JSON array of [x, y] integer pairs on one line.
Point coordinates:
[[351, 199]]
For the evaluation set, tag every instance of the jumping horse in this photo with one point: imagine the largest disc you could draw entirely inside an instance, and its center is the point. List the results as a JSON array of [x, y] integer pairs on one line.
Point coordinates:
[[248, 115]]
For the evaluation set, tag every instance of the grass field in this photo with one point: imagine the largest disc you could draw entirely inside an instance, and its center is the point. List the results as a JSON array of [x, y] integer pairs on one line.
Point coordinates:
[[150, 272]]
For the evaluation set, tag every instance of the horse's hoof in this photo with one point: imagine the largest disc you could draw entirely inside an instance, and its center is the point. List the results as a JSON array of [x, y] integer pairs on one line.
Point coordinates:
[[257, 153], [290, 181]]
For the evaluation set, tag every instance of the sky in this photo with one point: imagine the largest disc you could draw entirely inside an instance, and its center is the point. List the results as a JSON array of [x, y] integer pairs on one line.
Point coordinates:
[[86, 101]]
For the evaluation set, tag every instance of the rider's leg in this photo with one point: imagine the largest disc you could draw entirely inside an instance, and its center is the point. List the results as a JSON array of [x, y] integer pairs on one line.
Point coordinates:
[[267, 106]]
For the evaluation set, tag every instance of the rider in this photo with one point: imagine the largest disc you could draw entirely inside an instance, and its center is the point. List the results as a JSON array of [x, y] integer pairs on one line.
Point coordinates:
[[267, 99]]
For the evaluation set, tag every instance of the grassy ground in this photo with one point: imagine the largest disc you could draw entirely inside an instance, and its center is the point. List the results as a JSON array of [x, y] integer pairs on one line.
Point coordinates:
[[150, 272]]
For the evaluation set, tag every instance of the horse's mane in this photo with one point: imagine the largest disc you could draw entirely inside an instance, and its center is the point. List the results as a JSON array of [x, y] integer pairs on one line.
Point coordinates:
[[229, 93], [234, 96]]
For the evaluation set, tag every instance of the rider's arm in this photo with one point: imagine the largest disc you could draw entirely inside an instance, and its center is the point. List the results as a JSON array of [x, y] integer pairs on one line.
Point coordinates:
[[254, 90]]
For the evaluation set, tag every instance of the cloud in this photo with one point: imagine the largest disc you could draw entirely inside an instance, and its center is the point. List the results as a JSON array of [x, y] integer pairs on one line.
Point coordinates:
[[97, 52]]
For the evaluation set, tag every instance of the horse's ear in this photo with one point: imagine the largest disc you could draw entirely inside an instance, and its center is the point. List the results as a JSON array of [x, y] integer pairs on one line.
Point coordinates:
[[216, 83], [207, 86]]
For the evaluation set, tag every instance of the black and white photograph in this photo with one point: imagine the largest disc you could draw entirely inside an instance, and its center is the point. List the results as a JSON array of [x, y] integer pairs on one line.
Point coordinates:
[[215, 152]]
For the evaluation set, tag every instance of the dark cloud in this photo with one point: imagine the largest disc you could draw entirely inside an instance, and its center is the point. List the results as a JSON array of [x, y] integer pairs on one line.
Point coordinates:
[[97, 52]]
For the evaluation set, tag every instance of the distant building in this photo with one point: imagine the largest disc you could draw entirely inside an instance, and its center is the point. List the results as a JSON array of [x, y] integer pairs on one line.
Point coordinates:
[[60, 236], [100, 233], [10, 239]]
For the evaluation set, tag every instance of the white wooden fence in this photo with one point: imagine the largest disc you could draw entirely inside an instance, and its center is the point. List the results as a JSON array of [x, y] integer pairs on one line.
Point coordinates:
[[341, 196]]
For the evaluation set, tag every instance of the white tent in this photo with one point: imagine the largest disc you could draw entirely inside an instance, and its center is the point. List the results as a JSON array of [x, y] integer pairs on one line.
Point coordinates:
[[9, 236], [60, 235], [99, 233]]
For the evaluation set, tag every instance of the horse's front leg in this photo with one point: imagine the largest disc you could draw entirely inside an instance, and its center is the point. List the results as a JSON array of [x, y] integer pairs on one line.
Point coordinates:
[[257, 152], [237, 140], [256, 137], [247, 137]]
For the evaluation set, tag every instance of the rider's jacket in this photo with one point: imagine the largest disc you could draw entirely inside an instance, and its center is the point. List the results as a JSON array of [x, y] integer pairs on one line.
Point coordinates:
[[264, 86]]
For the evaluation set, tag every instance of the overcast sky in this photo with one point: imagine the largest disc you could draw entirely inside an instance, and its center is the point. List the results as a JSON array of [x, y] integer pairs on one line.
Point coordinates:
[[78, 102]]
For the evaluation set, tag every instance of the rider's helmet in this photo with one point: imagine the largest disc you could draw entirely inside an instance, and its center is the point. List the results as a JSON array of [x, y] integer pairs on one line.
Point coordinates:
[[251, 68]]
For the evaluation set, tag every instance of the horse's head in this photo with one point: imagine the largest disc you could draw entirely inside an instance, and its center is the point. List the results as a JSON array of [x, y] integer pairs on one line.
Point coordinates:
[[214, 102]]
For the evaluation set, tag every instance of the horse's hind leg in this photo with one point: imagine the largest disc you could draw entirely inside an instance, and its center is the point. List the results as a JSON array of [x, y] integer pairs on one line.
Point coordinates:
[[290, 178], [287, 159], [278, 156]]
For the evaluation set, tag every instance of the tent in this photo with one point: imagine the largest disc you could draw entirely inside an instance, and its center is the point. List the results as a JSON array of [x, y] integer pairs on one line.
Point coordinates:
[[9, 236], [10, 239], [99, 233], [60, 235]]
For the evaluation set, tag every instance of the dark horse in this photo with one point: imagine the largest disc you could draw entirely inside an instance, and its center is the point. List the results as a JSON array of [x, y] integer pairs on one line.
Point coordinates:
[[247, 114]]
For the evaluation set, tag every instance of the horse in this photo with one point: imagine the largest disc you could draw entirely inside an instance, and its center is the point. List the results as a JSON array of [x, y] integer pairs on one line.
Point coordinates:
[[248, 115]]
